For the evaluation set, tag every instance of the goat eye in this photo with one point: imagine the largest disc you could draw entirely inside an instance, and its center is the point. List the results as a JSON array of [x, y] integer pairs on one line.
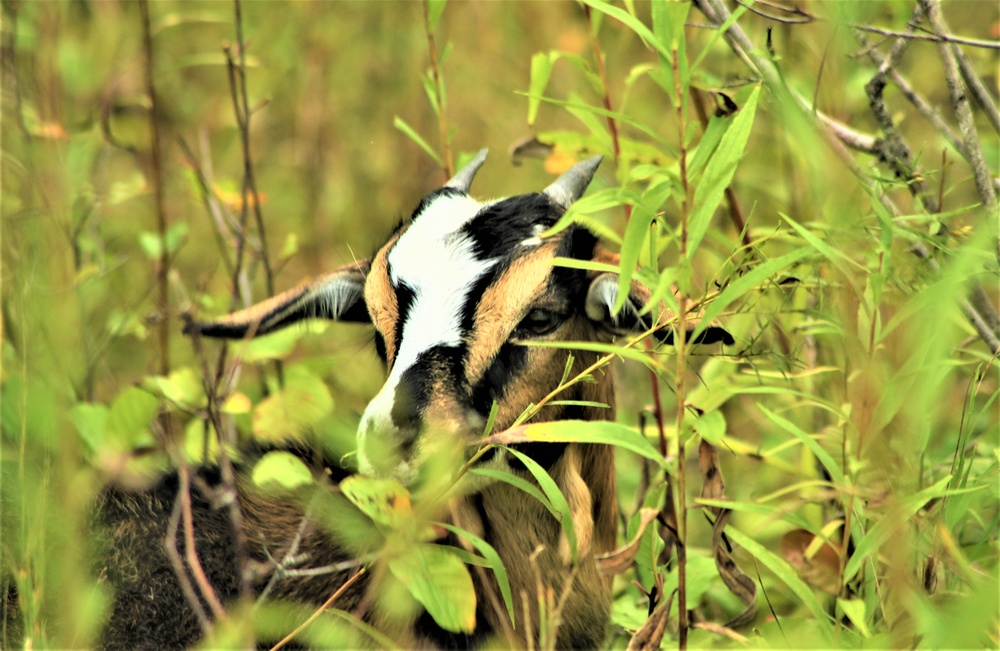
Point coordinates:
[[539, 322]]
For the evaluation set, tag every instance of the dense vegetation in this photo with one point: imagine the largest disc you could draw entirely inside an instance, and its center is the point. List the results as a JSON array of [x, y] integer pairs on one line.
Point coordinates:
[[822, 179]]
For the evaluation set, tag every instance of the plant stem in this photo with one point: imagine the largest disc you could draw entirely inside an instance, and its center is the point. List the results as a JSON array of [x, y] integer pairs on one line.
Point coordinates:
[[680, 343], [449, 168], [159, 195]]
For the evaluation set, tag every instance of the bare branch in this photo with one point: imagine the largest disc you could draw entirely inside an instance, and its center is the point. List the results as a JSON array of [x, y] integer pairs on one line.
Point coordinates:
[[960, 102], [977, 88], [930, 36]]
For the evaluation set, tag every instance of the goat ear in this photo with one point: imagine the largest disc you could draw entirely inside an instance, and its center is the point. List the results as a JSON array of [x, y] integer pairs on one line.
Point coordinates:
[[337, 296], [603, 294]]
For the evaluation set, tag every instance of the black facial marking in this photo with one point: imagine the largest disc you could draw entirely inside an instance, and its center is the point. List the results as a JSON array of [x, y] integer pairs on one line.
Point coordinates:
[[432, 197], [404, 300], [500, 228], [413, 392], [492, 386]]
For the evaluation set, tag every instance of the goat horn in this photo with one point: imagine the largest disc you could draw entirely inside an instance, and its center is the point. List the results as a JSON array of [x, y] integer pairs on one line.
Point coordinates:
[[573, 183], [463, 179]]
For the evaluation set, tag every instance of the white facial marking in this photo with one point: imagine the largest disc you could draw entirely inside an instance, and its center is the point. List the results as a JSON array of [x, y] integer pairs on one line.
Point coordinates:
[[535, 239], [437, 263]]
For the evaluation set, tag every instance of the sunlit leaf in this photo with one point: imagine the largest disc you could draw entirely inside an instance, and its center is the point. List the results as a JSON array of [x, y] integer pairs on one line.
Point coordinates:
[[441, 583]]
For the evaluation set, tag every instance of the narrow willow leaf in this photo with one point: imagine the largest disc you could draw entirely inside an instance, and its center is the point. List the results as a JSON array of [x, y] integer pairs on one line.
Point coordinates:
[[891, 523], [786, 573], [719, 172], [837, 257], [582, 431], [435, 9], [556, 498], [832, 467], [631, 22], [745, 283], [636, 233], [494, 560], [401, 124], [517, 482]]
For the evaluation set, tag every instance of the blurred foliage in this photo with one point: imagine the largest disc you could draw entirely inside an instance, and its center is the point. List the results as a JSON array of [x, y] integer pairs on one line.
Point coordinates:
[[856, 418]]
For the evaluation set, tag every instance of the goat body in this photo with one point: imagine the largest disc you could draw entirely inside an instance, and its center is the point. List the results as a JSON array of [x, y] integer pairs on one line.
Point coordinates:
[[454, 296]]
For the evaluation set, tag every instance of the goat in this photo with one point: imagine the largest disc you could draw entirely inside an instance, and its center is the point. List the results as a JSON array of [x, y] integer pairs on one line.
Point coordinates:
[[453, 295]]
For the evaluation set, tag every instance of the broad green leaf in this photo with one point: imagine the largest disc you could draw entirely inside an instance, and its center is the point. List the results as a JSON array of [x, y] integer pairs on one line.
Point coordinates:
[[855, 611], [131, 413], [282, 468], [385, 501], [294, 410], [90, 420], [719, 172], [496, 564], [441, 583]]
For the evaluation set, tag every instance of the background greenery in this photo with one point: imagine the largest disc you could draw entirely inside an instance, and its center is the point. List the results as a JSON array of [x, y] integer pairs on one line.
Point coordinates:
[[857, 385]]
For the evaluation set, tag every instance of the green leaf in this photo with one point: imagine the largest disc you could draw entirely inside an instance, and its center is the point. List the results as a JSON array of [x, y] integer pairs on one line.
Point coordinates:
[[401, 124], [435, 9], [385, 501], [785, 572], [855, 611], [631, 22], [555, 497], [130, 416], [636, 234], [719, 172], [495, 563], [711, 426], [517, 482], [90, 420], [294, 410], [440, 581], [832, 467], [891, 523], [282, 468], [745, 283], [541, 71], [597, 431]]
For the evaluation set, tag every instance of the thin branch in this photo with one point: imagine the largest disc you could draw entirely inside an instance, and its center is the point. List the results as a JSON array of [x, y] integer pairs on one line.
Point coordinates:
[[329, 602], [979, 309], [432, 54], [919, 103], [170, 547], [977, 88], [159, 195], [939, 37], [960, 102]]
